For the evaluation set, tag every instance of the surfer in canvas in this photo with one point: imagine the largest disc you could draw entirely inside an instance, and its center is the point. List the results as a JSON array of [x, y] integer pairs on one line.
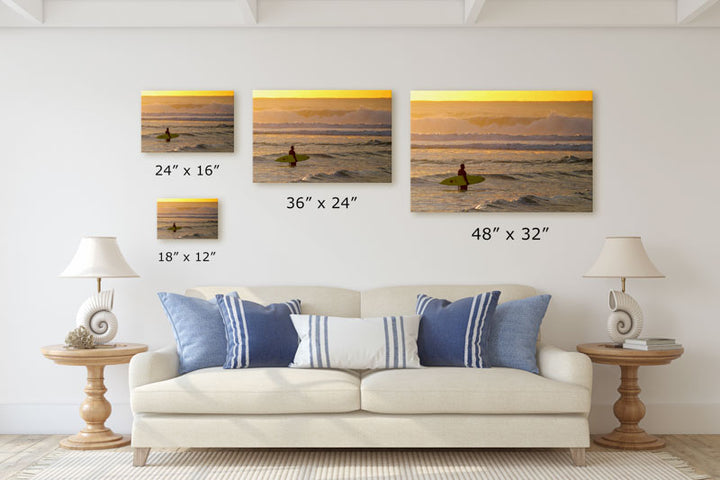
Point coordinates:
[[292, 158], [167, 132], [463, 173], [292, 154], [462, 179]]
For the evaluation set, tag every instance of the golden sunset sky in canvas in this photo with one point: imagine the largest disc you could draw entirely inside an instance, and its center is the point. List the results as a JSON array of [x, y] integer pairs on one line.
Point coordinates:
[[188, 93], [195, 206], [502, 112], [188, 101], [176, 200], [501, 96], [338, 107], [322, 94]]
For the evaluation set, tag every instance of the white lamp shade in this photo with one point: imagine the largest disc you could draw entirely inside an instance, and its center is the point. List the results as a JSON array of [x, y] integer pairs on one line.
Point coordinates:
[[623, 257], [98, 257]]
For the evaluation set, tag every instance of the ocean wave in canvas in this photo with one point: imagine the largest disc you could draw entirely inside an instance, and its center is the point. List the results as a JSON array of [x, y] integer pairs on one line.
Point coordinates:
[[338, 133], [577, 147], [577, 202], [348, 176], [496, 137]]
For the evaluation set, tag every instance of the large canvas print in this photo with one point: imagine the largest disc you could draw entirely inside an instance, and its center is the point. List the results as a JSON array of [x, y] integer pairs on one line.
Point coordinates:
[[188, 121], [187, 218], [325, 136], [502, 151]]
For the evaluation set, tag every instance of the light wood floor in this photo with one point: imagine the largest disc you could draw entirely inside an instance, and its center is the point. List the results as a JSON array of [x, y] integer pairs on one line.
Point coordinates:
[[20, 451]]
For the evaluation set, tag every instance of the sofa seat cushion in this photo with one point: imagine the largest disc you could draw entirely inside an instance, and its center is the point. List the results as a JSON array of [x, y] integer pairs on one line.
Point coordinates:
[[252, 391], [469, 390]]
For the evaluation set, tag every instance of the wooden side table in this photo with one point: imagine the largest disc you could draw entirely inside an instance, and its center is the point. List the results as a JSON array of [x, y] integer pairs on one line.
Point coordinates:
[[629, 410], [95, 409]]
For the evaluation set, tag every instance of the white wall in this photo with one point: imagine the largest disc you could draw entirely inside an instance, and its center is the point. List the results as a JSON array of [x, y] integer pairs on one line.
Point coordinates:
[[70, 165]]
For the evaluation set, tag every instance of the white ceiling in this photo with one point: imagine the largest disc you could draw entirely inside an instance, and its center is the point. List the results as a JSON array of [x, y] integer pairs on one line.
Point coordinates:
[[359, 13]]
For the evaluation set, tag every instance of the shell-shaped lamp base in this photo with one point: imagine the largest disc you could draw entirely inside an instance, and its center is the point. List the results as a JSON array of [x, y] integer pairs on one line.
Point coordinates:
[[96, 315], [626, 319]]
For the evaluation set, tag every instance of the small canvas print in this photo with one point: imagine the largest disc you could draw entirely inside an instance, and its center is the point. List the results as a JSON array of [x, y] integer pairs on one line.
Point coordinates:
[[187, 218], [322, 136], [502, 151], [188, 121]]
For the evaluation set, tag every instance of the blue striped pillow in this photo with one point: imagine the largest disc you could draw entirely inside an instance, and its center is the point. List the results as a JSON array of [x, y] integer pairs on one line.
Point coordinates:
[[257, 335], [356, 343], [454, 334]]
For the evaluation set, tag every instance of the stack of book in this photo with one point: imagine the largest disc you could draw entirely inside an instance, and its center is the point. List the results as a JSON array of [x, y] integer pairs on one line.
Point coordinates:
[[651, 344]]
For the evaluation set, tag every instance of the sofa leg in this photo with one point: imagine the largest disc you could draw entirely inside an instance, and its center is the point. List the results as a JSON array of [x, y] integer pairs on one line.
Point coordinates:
[[140, 456], [578, 456]]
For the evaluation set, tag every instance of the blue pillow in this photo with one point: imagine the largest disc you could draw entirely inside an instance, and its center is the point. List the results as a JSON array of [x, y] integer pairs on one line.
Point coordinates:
[[455, 334], [199, 331], [258, 336], [514, 332]]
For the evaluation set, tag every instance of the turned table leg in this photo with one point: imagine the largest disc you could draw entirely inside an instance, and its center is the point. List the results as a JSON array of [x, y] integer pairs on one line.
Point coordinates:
[[629, 410], [95, 409]]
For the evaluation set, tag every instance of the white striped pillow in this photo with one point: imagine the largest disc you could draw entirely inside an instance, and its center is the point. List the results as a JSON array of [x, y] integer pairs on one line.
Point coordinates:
[[356, 343]]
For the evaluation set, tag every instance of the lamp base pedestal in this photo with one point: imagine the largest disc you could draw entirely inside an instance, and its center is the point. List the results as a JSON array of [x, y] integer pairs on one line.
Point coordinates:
[[639, 440], [96, 441]]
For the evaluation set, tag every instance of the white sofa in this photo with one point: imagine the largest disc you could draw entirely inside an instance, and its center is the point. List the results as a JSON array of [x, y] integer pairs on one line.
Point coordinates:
[[434, 407]]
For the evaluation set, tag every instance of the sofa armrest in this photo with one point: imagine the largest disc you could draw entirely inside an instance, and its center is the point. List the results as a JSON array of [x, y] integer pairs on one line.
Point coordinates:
[[569, 367], [151, 367]]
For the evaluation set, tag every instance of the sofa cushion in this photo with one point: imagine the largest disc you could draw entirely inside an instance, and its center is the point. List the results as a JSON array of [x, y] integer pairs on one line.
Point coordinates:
[[251, 391], [358, 343], [469, 390]]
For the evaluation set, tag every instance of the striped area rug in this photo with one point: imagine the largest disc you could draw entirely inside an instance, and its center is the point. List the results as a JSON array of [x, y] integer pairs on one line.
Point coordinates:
[[357, 464]]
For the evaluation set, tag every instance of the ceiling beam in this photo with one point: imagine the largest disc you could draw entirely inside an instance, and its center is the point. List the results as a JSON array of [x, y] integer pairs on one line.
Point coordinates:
[[360, 13], [148, 13], [250, 8], [578, 13], [245, 13], [29, 9], [472, 10], [689, 10]]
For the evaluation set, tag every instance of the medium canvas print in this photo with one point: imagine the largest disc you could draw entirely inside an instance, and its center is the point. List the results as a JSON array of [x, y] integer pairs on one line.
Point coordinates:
[[187, 218], [322, 136], [502, 151], [188, 121]]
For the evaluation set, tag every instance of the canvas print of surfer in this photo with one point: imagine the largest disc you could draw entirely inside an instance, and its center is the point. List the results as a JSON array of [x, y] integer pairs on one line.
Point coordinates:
[[187, 218], [188, 121], [502, 151], [322, 136]]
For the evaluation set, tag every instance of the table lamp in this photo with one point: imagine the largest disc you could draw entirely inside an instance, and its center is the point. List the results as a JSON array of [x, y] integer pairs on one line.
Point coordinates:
[[623, 257], [98, 257]]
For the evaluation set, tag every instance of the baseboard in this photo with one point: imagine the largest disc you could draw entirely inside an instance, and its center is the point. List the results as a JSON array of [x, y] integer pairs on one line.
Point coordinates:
[[64, 418], [668, 418], [38, 418]]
